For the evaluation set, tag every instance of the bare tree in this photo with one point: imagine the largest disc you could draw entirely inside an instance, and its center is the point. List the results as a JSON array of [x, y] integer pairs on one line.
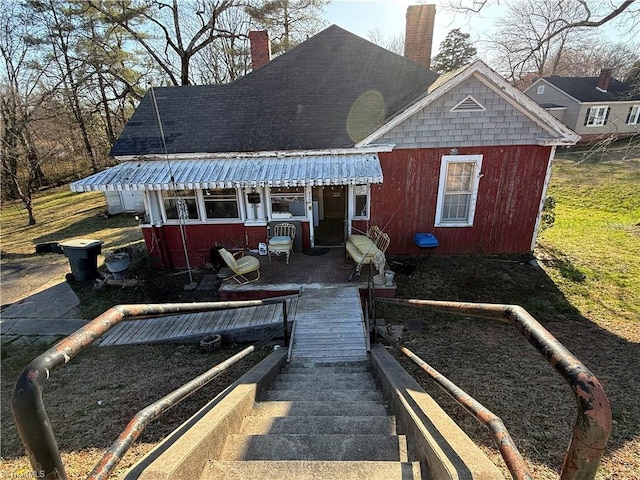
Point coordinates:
[[170, 31], [57, 29], [591, 13], [20, 96], [289, 22], [590, 57], [394, 44], [226, 58], [519, 43]]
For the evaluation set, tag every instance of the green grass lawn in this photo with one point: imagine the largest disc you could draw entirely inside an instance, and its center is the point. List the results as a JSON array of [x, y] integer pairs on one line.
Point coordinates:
[[597, 234]]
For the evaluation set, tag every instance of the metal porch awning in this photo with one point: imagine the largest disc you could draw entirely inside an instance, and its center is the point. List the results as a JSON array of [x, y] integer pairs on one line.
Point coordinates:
[[289, 171]]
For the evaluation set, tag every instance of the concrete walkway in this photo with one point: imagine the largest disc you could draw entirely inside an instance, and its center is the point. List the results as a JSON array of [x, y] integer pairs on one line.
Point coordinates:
[[50, 312]]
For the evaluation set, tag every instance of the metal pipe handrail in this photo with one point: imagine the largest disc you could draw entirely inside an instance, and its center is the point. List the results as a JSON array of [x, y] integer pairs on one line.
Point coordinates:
[[499, 433], [145, 416], [593, 425], [28, 409]]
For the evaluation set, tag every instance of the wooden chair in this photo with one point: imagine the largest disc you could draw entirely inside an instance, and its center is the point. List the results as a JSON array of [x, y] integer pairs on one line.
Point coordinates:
[[241, 266], [282, 240]]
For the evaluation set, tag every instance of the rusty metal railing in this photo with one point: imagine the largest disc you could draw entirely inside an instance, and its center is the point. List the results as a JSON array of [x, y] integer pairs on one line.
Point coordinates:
[[593, 425], [29, 413]]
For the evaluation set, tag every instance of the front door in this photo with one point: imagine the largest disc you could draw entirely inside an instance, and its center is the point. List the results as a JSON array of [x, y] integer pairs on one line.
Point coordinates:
[[329, 224]]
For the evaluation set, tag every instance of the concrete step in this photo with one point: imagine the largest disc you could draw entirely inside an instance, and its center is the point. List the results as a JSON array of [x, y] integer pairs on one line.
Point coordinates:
[[323, 384], [323, 375], [323, 408], [333, 395], [381, 425], [352, 367], [311, 470], [335, 447], [328, 357]]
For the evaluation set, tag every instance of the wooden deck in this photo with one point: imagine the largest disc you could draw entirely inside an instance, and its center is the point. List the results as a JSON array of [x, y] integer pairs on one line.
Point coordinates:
[[241, 324], [329, 326]]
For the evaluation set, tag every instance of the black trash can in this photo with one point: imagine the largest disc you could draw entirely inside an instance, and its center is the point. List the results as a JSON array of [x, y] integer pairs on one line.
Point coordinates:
[[83, 257]]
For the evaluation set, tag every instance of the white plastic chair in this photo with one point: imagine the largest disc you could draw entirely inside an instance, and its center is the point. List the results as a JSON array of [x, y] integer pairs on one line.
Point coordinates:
[[282, 240]]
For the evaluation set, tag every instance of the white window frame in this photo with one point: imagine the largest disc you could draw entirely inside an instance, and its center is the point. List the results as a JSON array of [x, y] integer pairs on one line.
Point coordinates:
[[634, 115], [596, 116], [204, 216], [357, 191], [273, 194], [540, 89], [446, 161], [179, 194]]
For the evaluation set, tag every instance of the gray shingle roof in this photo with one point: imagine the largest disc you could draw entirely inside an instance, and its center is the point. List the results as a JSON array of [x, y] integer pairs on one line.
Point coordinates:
[[584, 89], [328, 92]]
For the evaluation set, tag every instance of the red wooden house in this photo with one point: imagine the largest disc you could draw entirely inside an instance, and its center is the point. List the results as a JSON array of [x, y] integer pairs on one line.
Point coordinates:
[[334, 135]]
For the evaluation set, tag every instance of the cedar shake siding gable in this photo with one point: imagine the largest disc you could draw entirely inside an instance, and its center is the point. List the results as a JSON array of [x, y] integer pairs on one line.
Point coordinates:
[[437, 125]]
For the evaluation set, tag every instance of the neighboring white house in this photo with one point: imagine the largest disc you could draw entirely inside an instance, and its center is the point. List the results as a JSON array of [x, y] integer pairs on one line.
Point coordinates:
[[594, 107]]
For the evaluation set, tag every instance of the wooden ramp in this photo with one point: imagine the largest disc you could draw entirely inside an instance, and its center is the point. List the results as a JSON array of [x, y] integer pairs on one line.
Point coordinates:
[[329, 326], [243, 324]]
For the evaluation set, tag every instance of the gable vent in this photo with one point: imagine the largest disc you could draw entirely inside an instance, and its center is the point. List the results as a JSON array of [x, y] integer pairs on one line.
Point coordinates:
[[469, 104]]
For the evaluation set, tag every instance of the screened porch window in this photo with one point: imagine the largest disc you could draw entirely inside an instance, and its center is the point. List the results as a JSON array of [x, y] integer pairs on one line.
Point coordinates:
[[221, 203], [287, 202], [180, 204], [458, 189], [361, 201]]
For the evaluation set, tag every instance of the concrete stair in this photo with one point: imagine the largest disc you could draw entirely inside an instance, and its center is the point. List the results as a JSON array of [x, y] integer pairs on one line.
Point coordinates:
[[325, 421]]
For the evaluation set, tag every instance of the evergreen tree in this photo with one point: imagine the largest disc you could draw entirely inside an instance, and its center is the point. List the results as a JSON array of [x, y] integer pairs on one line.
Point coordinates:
[[456, 50]]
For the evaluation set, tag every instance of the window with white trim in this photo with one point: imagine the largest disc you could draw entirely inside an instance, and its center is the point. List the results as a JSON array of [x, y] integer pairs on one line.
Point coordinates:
[[287, 202], [180, 205], [540, 89], [633, 118], [596, 116], [458, 190], [220, 203], [361, 201]]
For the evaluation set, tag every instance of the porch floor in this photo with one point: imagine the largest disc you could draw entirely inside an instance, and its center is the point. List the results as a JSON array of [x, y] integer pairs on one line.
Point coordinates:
[[331, 269]]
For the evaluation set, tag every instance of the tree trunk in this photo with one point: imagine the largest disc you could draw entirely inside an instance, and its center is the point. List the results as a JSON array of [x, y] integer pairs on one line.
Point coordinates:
[[184, 68]]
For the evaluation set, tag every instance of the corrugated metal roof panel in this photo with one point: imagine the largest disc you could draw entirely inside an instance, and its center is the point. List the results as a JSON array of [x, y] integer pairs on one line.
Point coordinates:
[[236, 172]]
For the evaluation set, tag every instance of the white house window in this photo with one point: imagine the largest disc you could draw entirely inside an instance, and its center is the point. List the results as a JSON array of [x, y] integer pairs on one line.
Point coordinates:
[[221, 203], [540, 89], [287, 202], [596, 116], [633, 118], [361, 201], [458, 190], [180, 204]]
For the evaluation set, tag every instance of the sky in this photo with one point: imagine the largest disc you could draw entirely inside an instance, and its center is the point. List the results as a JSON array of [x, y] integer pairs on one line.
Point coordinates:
[[388, 16]]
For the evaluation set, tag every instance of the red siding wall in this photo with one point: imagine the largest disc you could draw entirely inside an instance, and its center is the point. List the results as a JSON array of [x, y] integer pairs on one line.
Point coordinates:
[[506, 210], [165, 243]]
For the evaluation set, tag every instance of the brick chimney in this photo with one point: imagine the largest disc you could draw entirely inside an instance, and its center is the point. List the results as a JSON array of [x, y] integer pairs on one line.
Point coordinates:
[[604, 79], [419, 33], [260, 48]]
